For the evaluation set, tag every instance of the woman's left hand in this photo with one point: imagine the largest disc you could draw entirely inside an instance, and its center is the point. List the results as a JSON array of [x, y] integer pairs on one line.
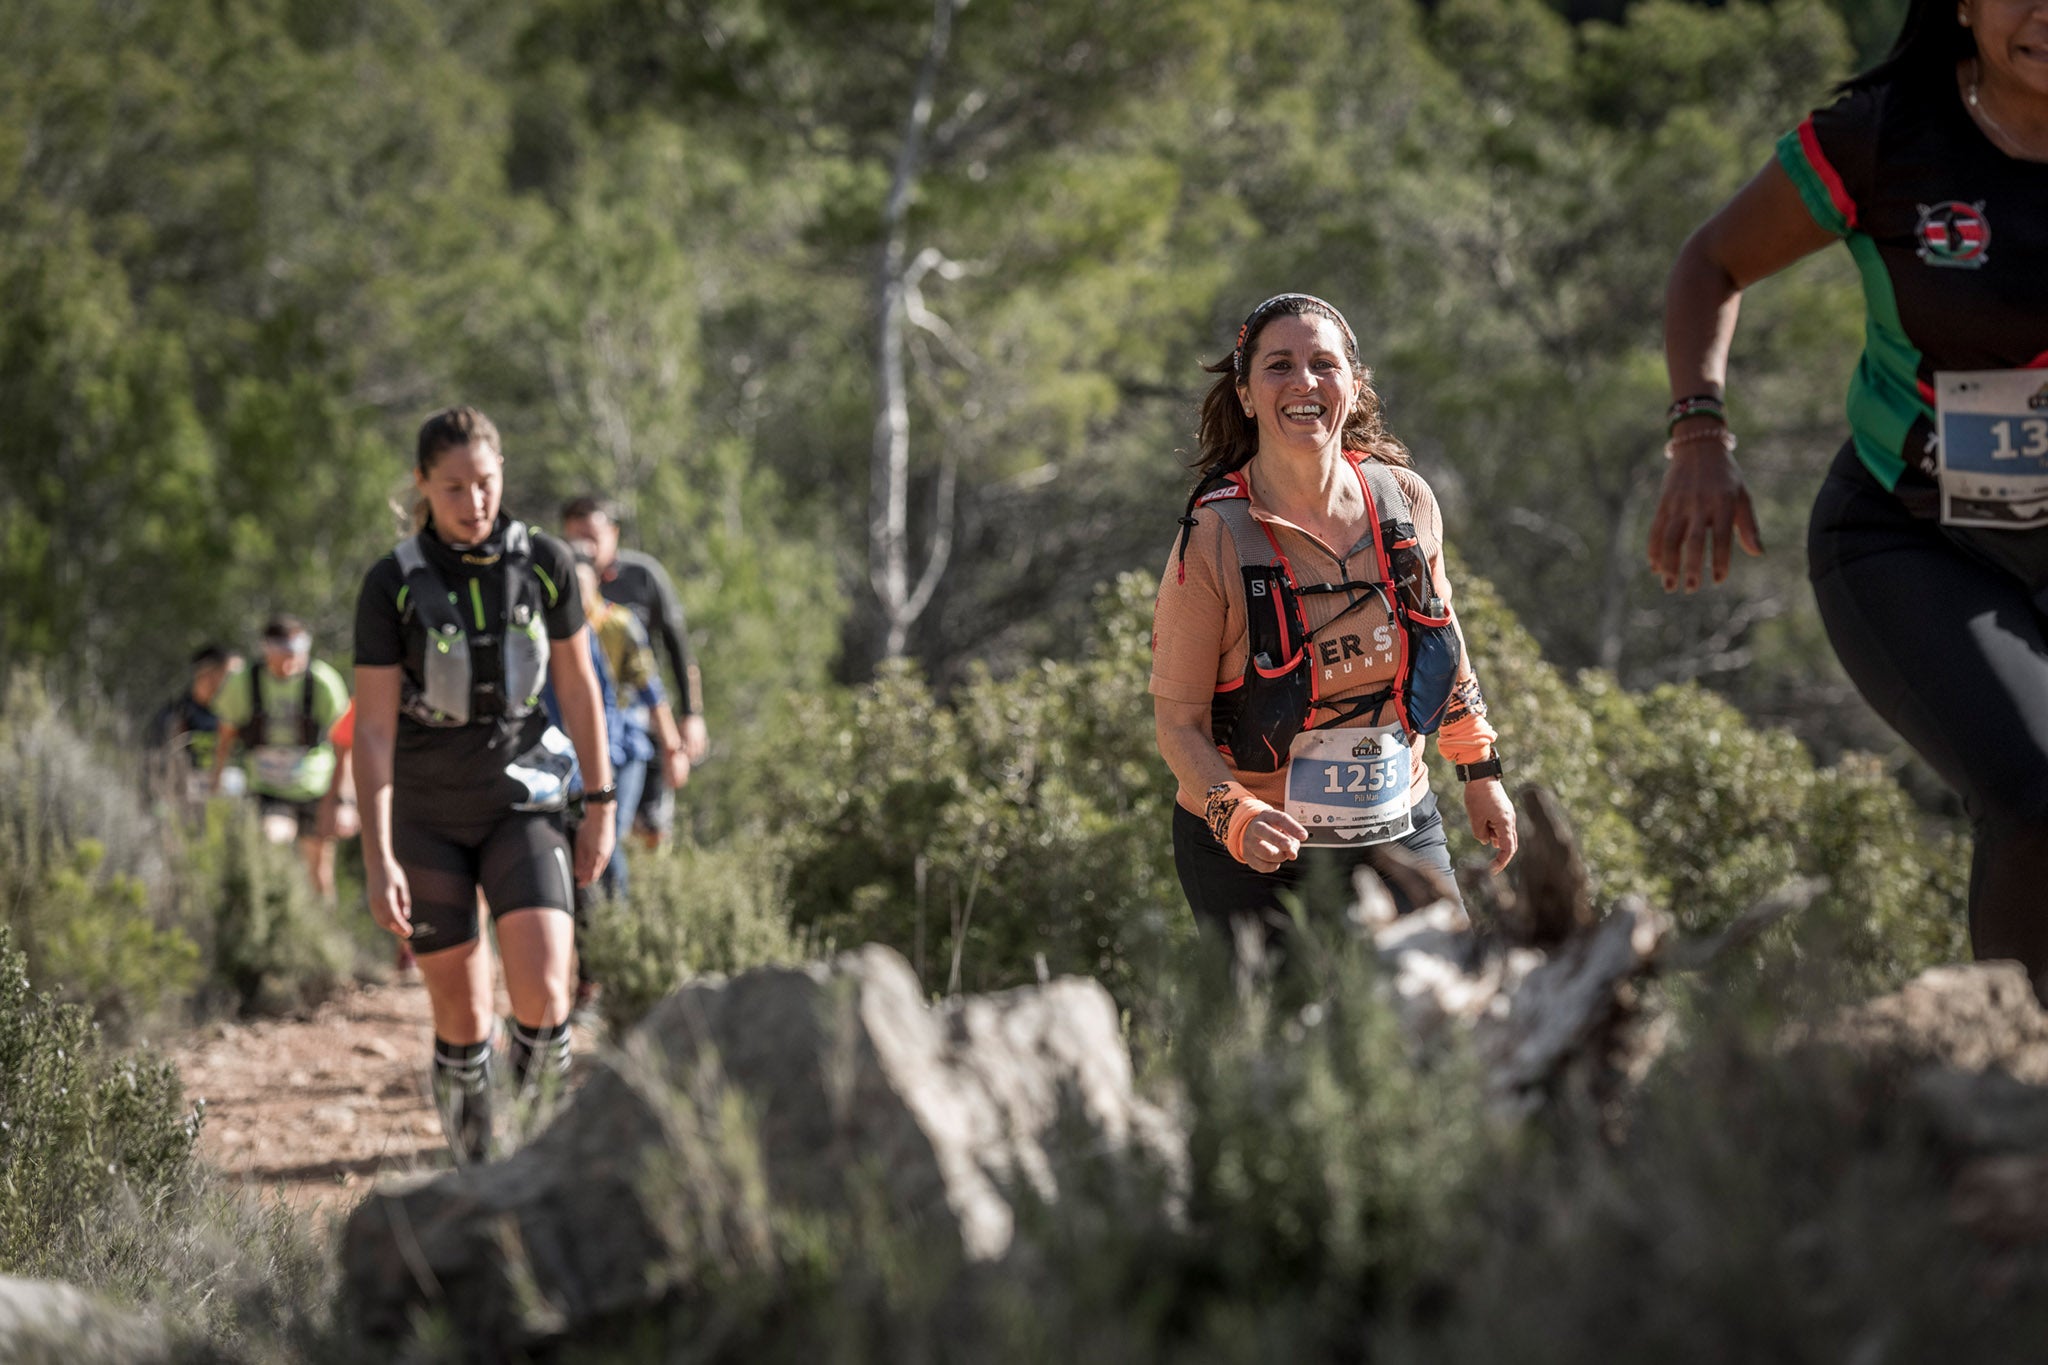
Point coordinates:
[[1493, 819], [594, 840]]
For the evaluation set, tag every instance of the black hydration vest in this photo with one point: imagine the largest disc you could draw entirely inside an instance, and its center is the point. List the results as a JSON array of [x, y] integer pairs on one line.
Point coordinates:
[[449, 690], [1255, 718], [260, 721]]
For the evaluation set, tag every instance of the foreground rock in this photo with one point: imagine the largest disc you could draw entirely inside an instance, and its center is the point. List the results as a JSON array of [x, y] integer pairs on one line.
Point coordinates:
[[818, 1089], [43, 1322]]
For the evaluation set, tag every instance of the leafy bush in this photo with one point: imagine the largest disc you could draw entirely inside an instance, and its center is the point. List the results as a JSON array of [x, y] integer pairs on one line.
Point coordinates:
[[132, 913], [1676, 796], [1027, 817], [692, 910], [274, 946], [79, 1125], [84, 875]]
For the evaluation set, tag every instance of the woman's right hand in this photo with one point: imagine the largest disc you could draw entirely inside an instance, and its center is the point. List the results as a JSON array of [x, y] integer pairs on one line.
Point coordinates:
[[1703, 509], [1273, 837], [390, 897]]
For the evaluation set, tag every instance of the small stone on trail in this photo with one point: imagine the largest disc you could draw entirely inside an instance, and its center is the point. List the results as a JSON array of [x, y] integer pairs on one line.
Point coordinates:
[[379, 1047]]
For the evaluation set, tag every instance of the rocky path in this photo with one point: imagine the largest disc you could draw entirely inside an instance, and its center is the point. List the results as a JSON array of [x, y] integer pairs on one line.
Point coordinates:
[[314, 1110]]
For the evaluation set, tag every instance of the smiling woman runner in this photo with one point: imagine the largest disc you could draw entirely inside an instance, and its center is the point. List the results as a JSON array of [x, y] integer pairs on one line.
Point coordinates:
[[1303, 641], [461, 779], [1926, 546]]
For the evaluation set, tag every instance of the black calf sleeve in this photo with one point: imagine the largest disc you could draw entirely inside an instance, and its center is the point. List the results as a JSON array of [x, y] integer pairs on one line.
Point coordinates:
[[462, 1096], [539, 1051]]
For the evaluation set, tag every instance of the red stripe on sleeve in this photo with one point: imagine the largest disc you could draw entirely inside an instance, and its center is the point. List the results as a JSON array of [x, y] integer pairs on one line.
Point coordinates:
[[1816, 158]]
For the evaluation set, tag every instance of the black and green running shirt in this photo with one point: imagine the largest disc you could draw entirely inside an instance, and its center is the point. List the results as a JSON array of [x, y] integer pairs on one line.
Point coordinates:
[[1951, 237]]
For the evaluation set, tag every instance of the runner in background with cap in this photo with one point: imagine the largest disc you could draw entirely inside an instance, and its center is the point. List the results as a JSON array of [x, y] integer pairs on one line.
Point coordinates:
[[1925, 547]]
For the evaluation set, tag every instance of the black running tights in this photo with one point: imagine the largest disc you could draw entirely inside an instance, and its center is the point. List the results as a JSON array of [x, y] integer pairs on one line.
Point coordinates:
[[1951, 653]]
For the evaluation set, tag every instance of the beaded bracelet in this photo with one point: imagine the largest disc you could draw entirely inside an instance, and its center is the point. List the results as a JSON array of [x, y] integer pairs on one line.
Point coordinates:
[[1698, 405], [1720, 436]]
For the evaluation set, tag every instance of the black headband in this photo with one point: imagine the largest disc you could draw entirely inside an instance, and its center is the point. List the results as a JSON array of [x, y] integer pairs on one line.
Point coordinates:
[[1279, 303]]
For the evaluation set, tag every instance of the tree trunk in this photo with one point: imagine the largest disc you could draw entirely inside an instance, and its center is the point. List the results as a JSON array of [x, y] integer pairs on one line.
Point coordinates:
[[889, 466]]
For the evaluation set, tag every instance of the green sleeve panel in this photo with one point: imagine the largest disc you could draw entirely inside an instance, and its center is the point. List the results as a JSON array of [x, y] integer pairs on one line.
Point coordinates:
[[1807, 179]]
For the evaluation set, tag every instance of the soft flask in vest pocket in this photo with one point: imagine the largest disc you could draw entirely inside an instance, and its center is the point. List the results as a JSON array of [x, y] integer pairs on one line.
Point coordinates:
[[1433, 644], [1257, 717]]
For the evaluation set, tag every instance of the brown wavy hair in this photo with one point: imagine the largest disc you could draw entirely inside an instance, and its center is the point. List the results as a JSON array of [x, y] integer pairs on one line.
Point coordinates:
[[1226, 438]]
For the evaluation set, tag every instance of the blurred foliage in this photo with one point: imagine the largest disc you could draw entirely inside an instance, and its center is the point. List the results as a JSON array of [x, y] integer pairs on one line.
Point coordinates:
[[1675, 795], [693, 911], [78, 1122], [276, 947], [248, 245], [141, 913], [86, 886], [1025, 817]]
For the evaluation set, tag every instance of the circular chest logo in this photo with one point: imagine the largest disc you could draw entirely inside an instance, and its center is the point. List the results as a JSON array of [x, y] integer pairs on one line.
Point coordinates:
[[1953, 233]]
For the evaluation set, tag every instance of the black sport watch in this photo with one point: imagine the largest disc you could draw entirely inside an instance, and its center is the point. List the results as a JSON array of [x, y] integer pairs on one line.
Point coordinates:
[[603, 796], [1485, 767]]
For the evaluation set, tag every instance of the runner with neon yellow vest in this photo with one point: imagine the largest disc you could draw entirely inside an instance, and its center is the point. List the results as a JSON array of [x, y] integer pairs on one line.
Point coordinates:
[[280, 710], [1926, 547]]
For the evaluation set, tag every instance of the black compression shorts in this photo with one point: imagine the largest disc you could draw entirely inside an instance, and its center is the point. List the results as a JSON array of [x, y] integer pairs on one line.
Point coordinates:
[[519, 859]]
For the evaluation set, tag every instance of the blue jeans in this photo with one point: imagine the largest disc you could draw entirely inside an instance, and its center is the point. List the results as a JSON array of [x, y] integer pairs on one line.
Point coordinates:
[[631, 780]]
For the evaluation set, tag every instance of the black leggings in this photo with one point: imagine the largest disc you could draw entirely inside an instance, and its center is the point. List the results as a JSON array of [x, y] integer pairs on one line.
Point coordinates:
[[1223, 891], [1950, 651]]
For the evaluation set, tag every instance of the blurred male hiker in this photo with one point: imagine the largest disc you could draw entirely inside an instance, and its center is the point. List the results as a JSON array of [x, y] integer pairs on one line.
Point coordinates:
[[638, 581], [181, 737], [284, 710]]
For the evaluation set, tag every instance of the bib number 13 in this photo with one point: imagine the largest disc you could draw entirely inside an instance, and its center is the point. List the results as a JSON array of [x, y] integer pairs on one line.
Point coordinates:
[[2032, 430], [1367, 778]]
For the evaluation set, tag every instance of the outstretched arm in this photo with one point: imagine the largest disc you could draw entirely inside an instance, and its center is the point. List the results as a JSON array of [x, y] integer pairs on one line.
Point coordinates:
[[1704, 507]]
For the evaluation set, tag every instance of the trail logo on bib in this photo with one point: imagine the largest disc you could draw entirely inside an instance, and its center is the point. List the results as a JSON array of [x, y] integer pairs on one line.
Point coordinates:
[[1953, 233]]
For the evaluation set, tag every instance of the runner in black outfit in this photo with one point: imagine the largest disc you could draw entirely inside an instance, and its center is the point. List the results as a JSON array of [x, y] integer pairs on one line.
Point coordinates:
[[1926, 555], [458, 800]]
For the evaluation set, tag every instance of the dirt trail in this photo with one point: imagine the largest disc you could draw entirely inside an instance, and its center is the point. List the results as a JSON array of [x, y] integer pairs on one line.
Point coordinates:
[[314, 1110]]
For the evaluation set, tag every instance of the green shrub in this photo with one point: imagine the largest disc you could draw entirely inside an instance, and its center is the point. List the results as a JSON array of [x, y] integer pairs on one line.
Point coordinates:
[[274, 946], [692, 910], [79, 1125], [1029, 816], [1676, 796], [84, 871]]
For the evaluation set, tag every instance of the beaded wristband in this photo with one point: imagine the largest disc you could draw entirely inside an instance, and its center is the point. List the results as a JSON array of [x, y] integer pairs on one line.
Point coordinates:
[[1720, 436], [1700, 405], [1680, 406]]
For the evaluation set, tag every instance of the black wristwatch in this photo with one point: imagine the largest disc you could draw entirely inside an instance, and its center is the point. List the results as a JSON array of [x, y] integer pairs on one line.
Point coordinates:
[[1485, 767], [603, 796]]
